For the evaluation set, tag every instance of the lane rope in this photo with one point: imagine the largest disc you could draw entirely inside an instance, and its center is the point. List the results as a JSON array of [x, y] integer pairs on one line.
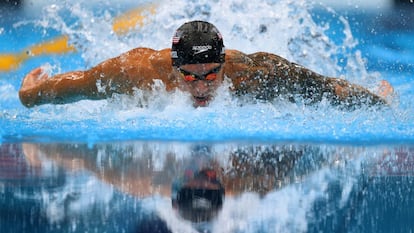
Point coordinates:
[[122, 24]]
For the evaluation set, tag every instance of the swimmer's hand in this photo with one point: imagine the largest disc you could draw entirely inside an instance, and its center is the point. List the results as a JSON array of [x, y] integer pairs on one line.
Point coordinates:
[[30, 89], [33, 79], [386, 91]]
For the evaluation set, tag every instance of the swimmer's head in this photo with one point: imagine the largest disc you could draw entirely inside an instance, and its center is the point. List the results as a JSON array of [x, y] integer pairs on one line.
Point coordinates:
[[197, 42], [198, 56], [199, 196]]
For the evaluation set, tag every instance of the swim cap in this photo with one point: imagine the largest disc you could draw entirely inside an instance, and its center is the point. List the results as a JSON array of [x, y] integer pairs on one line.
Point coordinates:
[[197, 42]]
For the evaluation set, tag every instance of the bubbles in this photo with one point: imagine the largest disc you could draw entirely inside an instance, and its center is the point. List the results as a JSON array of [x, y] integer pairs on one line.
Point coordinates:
[[283, 27], [52, 8]]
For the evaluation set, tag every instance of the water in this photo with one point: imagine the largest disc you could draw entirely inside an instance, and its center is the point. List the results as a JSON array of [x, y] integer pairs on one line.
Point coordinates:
[[125, 187], [322, 40], [75, 166]]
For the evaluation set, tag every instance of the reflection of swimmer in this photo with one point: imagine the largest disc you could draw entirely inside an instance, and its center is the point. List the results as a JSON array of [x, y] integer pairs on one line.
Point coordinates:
[[13, 166], [198, 196], [22, 169], [196, 183], [28, 179], [198, 64], [397, 162]]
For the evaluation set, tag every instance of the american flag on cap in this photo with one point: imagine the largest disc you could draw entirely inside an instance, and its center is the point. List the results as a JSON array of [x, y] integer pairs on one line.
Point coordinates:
[[175, 39], [177, 36]]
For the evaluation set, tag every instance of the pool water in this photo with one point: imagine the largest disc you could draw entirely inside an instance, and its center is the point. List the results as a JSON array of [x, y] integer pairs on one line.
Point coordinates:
[[108, 165], [124, 187]]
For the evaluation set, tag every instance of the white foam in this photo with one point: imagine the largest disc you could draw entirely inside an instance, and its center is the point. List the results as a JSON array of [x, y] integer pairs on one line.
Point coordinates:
[[284, 27], [358, 4]]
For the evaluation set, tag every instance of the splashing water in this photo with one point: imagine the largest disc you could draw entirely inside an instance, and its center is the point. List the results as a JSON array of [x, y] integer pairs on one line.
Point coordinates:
[[286, 28]]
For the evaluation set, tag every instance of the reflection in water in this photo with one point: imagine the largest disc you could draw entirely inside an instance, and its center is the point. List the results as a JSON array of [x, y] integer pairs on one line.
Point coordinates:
[[171, 187], [198, 197]]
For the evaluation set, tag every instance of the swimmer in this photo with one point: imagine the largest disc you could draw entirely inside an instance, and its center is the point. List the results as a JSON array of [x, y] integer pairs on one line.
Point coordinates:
[[198, 63]]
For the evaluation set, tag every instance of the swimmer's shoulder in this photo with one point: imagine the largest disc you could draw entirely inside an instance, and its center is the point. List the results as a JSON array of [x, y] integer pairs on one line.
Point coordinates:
[[148, 52], [236, 56], [142, 56], [253, 59]]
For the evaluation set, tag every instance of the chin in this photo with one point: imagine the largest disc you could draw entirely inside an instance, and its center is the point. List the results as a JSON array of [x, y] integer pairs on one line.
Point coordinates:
[[200, 103]]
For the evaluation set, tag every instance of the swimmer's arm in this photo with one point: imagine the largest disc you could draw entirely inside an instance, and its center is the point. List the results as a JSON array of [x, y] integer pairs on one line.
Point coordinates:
[[38, 88], [116, 75], [285, 79], [339, 91], [350, 95], [82, 157]]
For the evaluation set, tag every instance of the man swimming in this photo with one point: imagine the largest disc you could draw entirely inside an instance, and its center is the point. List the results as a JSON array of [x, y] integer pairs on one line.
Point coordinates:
[[197, 63]]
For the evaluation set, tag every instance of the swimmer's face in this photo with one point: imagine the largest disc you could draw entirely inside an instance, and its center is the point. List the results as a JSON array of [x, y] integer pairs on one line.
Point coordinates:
[[200, 80]]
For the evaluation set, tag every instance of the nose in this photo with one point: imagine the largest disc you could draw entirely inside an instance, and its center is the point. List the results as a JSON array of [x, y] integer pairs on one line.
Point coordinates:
[[201, 86]]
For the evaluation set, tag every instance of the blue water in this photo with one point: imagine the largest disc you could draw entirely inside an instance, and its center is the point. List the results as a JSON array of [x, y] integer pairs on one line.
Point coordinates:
[[355, 173], [361, 46]]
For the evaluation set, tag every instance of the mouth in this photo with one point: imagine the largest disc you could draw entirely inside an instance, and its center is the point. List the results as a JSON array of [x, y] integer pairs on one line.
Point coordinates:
[[201, 101]]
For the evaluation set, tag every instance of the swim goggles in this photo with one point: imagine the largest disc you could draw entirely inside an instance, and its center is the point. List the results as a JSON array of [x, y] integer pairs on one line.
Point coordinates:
[[210, 75]]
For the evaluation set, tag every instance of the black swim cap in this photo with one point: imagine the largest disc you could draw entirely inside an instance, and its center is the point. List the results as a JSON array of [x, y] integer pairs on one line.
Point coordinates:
[[197, 42]]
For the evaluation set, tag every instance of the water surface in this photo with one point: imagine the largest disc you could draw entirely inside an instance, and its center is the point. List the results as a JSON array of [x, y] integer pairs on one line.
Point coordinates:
[[108, 165]]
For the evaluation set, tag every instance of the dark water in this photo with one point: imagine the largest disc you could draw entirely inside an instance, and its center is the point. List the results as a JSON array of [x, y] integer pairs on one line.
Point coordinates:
[[126, 187]]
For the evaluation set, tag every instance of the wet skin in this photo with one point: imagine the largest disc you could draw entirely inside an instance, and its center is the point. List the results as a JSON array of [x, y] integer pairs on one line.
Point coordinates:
[[202, 91], [260, 75]]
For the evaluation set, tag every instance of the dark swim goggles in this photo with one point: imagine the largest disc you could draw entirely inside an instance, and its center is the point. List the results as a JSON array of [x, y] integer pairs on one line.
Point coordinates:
[[209, 76]]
